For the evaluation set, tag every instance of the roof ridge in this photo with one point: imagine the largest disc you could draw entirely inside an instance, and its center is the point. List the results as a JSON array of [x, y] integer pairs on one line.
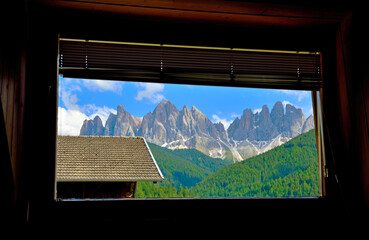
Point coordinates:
[[139, 137]]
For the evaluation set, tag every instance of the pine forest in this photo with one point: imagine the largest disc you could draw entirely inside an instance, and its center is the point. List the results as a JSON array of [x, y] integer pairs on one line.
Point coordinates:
[[289, 170]]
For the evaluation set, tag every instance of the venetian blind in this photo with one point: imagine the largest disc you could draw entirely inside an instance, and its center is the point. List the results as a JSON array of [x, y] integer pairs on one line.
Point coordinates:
[[189, 64]]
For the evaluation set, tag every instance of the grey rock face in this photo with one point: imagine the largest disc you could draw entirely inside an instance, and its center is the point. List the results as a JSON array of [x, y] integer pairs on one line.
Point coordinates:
[[308, 124], [251, 134], [92, 127], [293, 121]]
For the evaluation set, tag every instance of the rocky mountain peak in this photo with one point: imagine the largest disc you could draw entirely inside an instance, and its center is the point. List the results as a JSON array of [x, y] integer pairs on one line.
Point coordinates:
[[308, 124], [293, 121], [166, 126], [265, 109], [199, 116], [125, 125], [290, 109], [164, 110], [186, 123], [266, 125], [185, 113], [110, 125], [264, 116], [277, 115], [120, 109], [92, 127], [186, 109], [278, 106], [265, 128], [194, 109], [247, 112], [166, 105]]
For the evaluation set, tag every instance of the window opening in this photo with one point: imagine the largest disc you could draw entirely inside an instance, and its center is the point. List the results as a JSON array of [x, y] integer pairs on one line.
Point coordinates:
[[150, 139]]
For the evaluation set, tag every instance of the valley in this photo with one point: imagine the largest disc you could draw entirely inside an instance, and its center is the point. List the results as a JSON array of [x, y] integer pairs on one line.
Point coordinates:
[[290, 170]]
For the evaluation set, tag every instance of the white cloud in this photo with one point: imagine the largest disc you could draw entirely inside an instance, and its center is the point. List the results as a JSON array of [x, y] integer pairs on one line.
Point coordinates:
[[224, 121], [71, 117], [285, 103], [68, 97], [103, 112], [235, 115], [258, 110], [151, 92], [299, 94], [103, 85], [70, 121]]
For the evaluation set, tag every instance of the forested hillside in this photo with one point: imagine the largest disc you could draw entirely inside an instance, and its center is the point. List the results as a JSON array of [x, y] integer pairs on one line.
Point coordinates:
[[182, 169], [288, 170], [185, 167]]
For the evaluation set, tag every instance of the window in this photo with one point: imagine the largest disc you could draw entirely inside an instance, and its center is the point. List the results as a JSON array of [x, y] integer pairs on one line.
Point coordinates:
[[214, 122]]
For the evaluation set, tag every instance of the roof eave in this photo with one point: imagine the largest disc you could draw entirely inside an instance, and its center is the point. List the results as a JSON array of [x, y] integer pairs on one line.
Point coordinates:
[[152, 157], [110, 180]]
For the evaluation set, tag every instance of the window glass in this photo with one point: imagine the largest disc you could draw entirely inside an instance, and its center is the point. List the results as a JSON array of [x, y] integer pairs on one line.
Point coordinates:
[[207, 141]]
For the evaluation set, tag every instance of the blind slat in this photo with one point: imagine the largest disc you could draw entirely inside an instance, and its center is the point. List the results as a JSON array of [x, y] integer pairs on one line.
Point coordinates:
[[90, 59]]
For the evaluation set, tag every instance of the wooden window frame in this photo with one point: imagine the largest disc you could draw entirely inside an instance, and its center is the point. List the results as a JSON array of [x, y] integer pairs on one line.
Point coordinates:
[[41, 207]]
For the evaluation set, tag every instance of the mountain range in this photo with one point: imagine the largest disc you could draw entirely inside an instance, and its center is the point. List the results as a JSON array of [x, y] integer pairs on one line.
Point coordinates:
[[166, 126]]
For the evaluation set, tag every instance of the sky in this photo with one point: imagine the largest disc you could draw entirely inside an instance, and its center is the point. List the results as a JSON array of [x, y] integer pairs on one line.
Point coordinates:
[[81, 99]]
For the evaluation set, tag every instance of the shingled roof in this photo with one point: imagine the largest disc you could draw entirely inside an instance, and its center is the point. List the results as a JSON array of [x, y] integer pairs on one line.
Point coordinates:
[[106, 159]]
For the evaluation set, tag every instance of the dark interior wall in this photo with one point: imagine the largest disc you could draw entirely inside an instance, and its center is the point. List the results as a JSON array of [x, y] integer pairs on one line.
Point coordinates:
[[358, 87], [12, 90], [99, 25], [344, 101], [67, 190], [110, 26], [40, 117]]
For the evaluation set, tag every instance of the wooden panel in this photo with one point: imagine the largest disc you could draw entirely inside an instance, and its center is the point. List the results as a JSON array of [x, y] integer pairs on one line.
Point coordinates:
[[343, 91], [360, 95], [225, 12], [12, 85], [12, 100], [5, 84], [362, 121]]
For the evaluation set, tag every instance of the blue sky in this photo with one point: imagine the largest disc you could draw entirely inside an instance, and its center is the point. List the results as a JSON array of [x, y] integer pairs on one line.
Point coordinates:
[[81, 99]]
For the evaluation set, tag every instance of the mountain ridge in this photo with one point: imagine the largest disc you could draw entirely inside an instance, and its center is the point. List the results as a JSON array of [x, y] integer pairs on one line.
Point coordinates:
[[166, 126]]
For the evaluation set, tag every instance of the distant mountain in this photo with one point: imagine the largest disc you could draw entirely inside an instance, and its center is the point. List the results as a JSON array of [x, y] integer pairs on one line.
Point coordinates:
[[166, 126], [92, 127]]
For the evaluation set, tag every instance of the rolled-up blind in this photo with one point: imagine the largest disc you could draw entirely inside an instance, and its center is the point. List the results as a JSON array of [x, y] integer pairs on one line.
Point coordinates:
[[189, 64]]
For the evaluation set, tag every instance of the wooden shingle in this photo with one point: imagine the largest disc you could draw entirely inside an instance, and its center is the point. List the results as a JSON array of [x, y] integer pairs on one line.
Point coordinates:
[[105, 159]]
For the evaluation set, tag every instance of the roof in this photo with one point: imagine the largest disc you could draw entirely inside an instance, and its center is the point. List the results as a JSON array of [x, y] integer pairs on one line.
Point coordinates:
[[103, 158]]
